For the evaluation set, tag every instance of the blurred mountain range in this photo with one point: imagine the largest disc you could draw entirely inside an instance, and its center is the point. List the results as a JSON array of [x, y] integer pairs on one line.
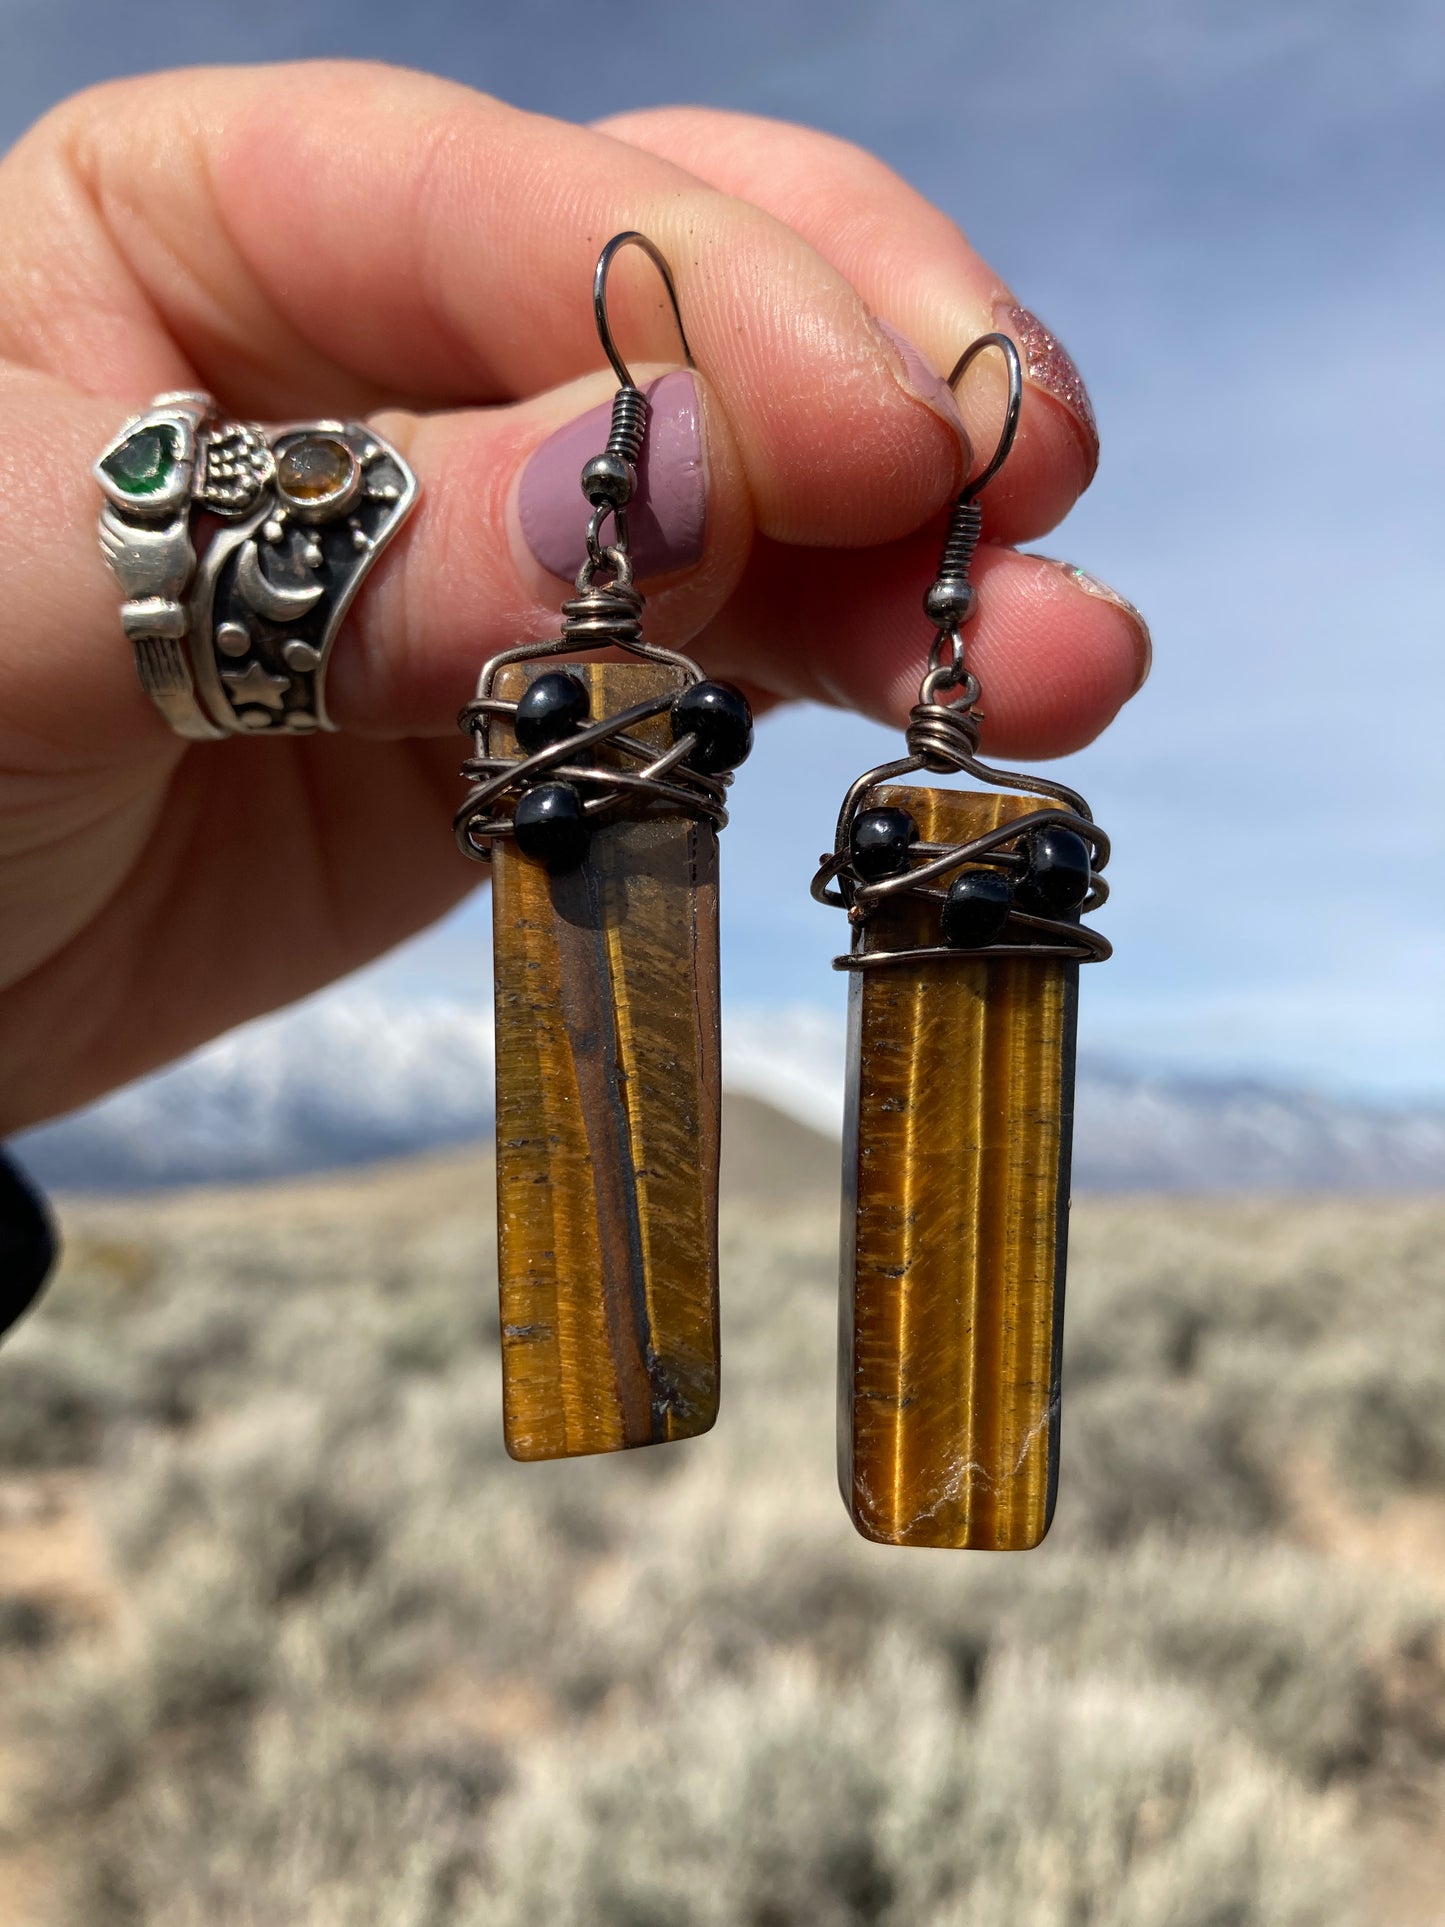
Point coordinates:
[[352, 1078]]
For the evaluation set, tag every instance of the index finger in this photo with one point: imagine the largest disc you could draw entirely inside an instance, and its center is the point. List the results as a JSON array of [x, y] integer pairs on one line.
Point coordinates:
[[332, 237], [916, 268]]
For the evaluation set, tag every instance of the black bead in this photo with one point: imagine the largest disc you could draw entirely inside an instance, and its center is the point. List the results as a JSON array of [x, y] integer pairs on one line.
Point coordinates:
[[881, 841], [1057, 879], [554, 706], [719, 716], [976, 909], [550, 825]]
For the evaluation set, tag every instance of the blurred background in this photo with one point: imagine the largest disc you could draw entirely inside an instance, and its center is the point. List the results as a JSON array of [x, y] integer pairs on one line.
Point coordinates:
[[285, 1638]]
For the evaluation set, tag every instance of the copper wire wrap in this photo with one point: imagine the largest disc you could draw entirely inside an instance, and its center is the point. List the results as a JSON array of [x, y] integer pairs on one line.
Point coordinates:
[[598, 617], [605, 763], [944, 737]]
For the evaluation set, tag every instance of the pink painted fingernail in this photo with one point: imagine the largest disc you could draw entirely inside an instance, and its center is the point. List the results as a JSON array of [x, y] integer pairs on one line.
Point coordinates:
[[921, 379], [1091, 585], [667, 520], [1049, 365]]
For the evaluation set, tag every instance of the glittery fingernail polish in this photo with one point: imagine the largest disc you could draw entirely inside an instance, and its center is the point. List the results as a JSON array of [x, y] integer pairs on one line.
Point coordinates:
[[1091, 585], [1049, 366]]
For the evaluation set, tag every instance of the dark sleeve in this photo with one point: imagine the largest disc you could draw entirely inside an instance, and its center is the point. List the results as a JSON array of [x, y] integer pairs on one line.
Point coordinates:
[[27, 1244]]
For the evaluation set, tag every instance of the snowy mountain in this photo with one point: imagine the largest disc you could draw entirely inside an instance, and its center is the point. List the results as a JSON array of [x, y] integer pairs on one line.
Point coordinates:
[[1140, 1132], [341, 1079], [352, 1077]]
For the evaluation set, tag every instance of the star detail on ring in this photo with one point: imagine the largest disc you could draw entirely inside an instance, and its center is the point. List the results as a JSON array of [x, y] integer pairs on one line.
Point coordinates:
[[255, 685]]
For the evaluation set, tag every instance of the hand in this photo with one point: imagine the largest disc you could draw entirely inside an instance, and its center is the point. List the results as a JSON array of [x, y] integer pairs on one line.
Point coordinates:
[[337, 239]]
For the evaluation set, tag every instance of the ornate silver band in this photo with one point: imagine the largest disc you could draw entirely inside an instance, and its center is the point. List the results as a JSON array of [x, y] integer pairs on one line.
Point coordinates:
[[236, 640]]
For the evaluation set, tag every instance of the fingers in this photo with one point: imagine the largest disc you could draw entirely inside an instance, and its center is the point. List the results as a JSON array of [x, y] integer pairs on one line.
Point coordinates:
[[500, 517], [915, 269], [462, 580], [1057, 652], [332, 237], [488, 563], [312, 236]]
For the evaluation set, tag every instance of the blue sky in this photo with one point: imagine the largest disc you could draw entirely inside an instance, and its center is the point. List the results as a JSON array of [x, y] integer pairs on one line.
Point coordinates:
[[1232, 214]]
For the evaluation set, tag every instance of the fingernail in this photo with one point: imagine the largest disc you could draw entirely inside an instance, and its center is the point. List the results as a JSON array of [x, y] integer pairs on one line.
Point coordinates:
[[1091, 585], [667, 518], [1049, 366], [922, 380]]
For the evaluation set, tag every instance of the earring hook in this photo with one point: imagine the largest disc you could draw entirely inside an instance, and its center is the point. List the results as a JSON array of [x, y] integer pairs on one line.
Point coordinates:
[[1011, 415], [599, 298], [951, 598]]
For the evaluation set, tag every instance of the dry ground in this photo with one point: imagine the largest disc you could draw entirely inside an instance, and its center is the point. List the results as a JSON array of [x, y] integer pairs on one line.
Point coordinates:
[[286, 1639]]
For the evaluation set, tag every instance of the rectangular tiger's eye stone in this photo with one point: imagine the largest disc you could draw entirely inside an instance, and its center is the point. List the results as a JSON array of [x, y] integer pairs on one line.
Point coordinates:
[[955, 1209], [608, 1118]]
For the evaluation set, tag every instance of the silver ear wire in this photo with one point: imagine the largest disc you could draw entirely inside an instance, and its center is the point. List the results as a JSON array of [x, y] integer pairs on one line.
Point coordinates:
[[632, 239], [943, 737], [1011, 414], [950, 599], [605, 613], [609, 481]]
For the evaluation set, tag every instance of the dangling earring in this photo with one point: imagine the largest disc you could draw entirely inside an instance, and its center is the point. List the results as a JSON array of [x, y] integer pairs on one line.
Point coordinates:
[[964, 981], [598, 791]]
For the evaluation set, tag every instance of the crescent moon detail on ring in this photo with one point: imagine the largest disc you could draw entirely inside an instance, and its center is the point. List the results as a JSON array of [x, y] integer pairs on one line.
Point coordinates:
[[266, 597]]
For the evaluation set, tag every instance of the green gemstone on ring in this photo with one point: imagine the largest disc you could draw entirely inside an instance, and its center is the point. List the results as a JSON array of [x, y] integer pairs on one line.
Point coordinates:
[[145, 461]]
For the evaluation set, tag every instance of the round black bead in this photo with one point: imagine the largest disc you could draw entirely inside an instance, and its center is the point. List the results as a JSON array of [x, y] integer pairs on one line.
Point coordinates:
[[554, 706], [976, 909], [880, 843], [1057, 879], [550, 825], [721, 719]]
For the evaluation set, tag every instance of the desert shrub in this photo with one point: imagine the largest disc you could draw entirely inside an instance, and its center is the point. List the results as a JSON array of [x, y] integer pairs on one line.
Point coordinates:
[[81, 1726], [26, 1625], [318, 1818], [207, 1644], [1153, 1453], [1255, 1334], [791, 1799], [1378, 1416], [278, 1486], [367, 1668], [105, 1275], [63, 1392]]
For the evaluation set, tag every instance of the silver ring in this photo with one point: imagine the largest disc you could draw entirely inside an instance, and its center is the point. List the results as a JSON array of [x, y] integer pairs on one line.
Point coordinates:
[[236, 641]]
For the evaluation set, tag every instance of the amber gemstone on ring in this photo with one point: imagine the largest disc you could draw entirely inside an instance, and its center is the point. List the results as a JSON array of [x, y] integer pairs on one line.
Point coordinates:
[[314, 468]]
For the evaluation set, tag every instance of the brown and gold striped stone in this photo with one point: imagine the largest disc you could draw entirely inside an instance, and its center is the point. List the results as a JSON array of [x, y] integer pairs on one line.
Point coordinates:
[[608, 1120], [956, 1161]]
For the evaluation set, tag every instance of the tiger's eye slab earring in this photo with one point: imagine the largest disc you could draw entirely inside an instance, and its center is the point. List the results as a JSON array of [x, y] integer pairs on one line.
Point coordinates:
[[967, 941], [597, 794]]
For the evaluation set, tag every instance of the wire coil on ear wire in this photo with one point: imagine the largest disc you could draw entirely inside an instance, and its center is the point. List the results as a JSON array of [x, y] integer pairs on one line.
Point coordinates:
[[602, 761], [630, 413], [943, 737]]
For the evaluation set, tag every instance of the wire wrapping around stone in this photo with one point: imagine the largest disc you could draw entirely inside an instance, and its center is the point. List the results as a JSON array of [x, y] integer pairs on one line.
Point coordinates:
[[603, 618], [663, 778], [595, 618], [943, 737]]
